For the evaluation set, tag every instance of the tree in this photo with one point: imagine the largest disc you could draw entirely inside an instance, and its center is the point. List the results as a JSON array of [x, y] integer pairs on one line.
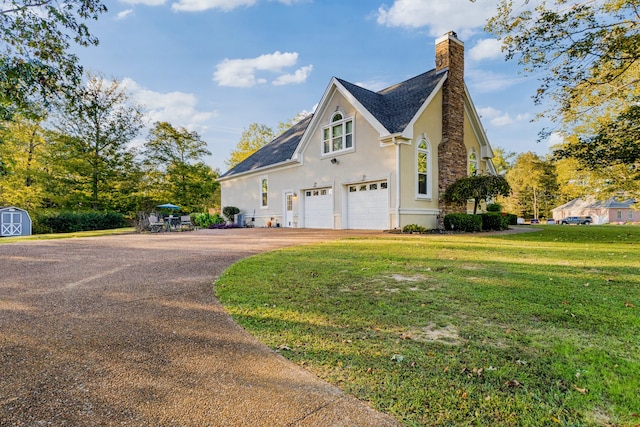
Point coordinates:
[[252, 139], [477, 187], [587, 52], [36, 38], [613, 152], [534, 186], [92, 142], [175, 166], [502, 160]]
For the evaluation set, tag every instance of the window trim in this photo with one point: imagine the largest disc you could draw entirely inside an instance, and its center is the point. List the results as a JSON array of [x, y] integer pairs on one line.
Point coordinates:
[[264, 195], [327, 137], [429, 179]]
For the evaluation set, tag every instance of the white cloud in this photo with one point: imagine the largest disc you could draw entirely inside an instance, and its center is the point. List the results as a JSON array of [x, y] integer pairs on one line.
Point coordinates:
[[499, 118], [461, 16], [177, 108], [482, 81], [200, 5], [374, 85], [123, 14], [300, 76], [486, 49], [242, 72]]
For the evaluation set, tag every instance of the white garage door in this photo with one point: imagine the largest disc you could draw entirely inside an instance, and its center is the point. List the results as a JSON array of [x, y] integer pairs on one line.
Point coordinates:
[[318, 208], [368, 206]]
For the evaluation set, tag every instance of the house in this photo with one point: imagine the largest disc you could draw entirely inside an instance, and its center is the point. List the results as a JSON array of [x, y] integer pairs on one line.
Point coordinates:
[[14, 222], [610, 211], [369, 160]]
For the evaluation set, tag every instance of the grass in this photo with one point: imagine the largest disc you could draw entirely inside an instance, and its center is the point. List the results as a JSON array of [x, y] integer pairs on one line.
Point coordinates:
[[528, 329], [51, 236]]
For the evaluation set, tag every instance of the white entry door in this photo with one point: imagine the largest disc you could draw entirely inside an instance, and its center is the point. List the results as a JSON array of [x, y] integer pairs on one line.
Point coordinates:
[[318, 208], [368, 206], [288, 210]]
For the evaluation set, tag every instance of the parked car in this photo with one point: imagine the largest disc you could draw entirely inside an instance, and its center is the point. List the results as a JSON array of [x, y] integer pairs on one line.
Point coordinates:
[[579, 220], [550, 221], [534, 221]]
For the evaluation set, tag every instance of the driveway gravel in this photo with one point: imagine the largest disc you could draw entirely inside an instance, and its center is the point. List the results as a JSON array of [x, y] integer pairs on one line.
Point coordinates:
[[126, 331]]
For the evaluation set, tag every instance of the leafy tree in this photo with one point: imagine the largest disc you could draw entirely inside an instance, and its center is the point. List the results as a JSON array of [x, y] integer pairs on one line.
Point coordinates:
[[502, 160], [175, 166], [574, 182], [613, 152], [36, 39], [252, 139], [477, 187], [92, 142], [24, 150], [534, 186], [587, 52]]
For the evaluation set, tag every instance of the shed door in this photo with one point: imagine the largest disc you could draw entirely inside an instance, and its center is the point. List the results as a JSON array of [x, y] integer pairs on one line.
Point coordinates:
[[11, 223], [318, 208], [368, 206]]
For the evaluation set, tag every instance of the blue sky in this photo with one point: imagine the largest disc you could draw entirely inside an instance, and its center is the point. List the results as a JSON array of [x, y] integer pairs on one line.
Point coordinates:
[[216, 66]]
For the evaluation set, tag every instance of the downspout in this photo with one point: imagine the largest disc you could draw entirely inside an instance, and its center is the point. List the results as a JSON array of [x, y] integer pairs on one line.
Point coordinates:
[[397, 219]]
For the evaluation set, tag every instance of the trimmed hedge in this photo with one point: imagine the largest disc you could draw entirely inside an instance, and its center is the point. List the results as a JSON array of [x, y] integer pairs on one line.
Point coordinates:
[[494, 221], [69, 222], [463, 222]]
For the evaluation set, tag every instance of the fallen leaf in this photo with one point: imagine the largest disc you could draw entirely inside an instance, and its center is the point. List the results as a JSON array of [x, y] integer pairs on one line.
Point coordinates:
[[581, 390], [446, 369], [464, 395], [512, 383], [628, 304]]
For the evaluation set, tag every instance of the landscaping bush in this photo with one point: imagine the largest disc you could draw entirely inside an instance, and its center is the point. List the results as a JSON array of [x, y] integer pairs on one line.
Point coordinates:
[[229, 212], [462, 222], [511, 219], [68, 222], [494, 221], [414, 228], [204, 220], [494, 207]]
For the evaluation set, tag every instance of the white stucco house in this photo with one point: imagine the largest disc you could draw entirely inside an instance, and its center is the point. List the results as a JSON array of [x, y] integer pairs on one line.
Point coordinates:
[[368, 160]]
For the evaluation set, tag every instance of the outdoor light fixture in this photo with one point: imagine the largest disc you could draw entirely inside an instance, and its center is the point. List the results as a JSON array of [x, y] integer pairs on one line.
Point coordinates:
[[334, 161]]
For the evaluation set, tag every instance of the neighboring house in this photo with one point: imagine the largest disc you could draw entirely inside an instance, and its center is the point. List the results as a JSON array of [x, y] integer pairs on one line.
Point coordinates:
[[14, 222], [608, 211], [368, 160]]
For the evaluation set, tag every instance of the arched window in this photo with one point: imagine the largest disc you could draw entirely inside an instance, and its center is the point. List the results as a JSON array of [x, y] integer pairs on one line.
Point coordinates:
[[338, 135], [423, 168], [473, 162]]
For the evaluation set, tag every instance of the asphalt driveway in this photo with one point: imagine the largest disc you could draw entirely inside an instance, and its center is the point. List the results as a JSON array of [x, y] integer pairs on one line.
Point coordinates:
[[125, 330]]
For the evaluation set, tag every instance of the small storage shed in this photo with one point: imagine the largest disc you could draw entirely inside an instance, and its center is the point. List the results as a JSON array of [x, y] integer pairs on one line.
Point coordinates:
[[14, 222]]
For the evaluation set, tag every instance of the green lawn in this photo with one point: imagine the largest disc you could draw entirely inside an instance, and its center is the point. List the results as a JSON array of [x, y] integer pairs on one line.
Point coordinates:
[[526, 329], [51, 236]]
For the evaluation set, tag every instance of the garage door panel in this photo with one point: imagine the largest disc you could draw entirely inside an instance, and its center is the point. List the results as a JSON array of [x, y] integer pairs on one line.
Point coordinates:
[[368, 206], [318, 208]]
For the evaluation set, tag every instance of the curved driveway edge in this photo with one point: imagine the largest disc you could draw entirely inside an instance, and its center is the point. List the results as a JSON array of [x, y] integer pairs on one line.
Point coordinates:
[[125, 330]]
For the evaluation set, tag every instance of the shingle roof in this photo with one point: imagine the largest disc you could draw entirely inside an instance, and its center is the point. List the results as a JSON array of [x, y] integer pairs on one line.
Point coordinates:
[[591, 203], [393, 107], [277, 151]]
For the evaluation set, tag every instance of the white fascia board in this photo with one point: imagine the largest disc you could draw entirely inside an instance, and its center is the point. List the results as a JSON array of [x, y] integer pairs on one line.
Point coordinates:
[[408, 131]]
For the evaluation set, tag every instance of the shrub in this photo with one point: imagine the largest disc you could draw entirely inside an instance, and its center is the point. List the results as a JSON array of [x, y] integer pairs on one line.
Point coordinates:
[[204, 220], [229, 212], [493, 221], [68, 222], [462, 222], [511, 219], [494, 207], [414, 228]]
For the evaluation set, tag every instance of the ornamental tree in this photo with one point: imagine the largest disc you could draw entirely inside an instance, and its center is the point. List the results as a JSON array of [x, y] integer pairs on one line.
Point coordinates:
[[477, 187]]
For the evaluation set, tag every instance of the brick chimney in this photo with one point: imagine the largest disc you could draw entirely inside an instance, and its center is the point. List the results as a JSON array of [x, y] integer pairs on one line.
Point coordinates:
[[452, 154]]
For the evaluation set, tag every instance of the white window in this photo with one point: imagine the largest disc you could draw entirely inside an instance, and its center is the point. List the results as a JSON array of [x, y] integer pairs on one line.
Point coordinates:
[[473, 162], [264, 192], [630, 215], [338, 136], [619, 215], [423, 168]]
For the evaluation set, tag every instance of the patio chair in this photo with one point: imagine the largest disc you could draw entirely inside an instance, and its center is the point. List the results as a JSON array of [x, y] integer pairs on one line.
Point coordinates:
[[185, 222], [155, 224]]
